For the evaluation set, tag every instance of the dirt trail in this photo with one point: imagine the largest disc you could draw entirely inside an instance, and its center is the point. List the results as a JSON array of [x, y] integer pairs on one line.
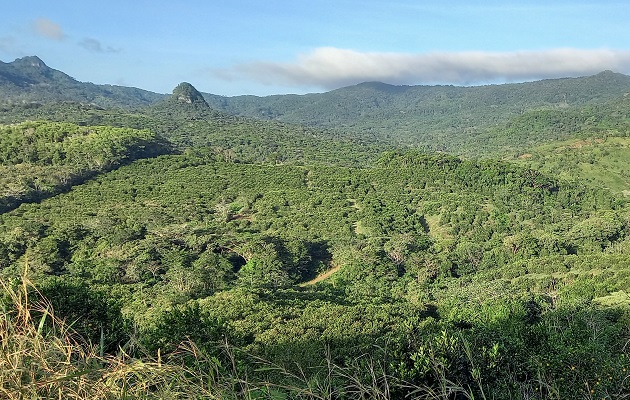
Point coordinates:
[[321, 277]]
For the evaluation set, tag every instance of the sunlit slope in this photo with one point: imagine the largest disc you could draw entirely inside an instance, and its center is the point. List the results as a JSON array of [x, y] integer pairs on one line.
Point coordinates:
[[41, 159], [602, 162]]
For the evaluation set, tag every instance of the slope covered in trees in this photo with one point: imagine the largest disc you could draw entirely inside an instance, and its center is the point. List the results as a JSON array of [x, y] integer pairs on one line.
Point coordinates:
[[470, 121], [182, 242], [541, 127], [40, 159], [181, 247], [599, 161], [445, 118], [194, 125], [29, 79]]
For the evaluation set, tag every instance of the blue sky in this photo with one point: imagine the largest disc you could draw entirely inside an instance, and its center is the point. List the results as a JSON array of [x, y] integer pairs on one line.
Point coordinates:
[[270, 47]]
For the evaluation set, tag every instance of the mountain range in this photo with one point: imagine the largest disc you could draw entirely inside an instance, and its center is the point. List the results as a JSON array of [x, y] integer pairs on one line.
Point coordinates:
[[236, 240], [29, 79], [445, 118]]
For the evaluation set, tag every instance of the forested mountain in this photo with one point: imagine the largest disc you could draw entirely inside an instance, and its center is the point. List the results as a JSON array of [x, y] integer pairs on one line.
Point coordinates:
[[196, 127], [470, 121], [167, 248], [29, 79], [446, 118], [347, 105], [40, 159]]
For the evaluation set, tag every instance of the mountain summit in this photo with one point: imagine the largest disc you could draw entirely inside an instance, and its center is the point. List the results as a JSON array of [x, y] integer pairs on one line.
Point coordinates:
[[29, 61], [29, 79], [186, 93], [185, 102], [31, 71]]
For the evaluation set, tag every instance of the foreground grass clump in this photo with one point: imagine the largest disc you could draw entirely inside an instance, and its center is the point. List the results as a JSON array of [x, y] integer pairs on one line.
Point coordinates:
[[41, 357]]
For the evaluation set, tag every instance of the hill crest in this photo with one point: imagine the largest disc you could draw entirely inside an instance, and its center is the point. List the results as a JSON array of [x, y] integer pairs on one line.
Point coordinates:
[[29, 79], [187, 93]]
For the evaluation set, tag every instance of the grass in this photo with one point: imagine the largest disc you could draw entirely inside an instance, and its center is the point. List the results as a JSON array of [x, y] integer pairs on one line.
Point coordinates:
[[436, 230], [596, 161], [41, 357]]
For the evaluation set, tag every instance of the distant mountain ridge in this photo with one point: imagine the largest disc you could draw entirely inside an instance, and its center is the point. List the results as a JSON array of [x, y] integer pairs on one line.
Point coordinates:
[[29, 79], [606, 85], [462, 120], [428, 115]]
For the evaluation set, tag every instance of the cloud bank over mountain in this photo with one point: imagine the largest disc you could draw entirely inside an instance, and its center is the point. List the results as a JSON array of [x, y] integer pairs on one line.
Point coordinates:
[[330, 67]]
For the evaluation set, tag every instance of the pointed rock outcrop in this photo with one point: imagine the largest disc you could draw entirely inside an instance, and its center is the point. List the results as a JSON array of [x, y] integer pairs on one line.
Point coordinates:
[[30, 61], [186, 93]]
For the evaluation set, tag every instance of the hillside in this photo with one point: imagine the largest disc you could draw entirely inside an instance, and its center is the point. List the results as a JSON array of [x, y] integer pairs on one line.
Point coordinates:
[[41, 159], [182, 247], [29, 79], [599, 161], [167, 248], [471, 121], [445, 118], [194, 126]]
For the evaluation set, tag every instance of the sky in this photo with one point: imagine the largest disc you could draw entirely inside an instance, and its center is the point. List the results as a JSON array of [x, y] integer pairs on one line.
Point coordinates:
[[235, 47]]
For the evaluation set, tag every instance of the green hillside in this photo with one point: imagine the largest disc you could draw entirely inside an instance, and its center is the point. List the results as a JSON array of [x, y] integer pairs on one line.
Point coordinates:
[[29, 79], [588, 144], [164, 247], [193, 125], [179, 247], [598, 161], [445, 118], [41, 159], [540, 127], [470, 121]]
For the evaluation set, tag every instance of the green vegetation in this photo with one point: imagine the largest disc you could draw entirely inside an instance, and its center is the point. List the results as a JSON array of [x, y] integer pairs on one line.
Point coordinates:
[[470, 121], [596, 151], [40, 159], [29, 79], [180, 252], [180, 248], [193, 126], [598, 161]]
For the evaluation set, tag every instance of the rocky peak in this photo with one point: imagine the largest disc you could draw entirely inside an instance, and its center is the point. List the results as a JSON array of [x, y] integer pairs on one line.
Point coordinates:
[[186, 93], [30, 61]]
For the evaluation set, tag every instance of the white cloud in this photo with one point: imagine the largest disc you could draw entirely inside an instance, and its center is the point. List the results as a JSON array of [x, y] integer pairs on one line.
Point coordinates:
[[96, 46], [330, 67], [48, 29]]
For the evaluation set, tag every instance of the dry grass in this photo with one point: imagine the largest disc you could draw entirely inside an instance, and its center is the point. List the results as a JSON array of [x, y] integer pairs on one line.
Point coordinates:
[[41, 357]]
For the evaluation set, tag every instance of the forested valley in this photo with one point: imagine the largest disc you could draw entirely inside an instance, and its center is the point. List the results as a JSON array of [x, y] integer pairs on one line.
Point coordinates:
[[193, 246]]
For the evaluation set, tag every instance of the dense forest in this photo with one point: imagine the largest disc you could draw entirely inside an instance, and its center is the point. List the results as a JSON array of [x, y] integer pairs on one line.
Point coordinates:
[[471, 121], [174, 249]]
